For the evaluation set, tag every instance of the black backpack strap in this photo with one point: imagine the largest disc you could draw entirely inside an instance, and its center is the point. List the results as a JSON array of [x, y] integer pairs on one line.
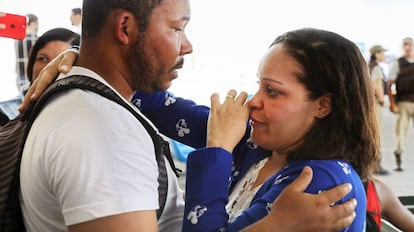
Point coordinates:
[[91, 84]]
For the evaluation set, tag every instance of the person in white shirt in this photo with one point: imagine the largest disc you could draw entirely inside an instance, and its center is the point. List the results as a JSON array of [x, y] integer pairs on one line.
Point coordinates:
[[76, 19], [88, 164]]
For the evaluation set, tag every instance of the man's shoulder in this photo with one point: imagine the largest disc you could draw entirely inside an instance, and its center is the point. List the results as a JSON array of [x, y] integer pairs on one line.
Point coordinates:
[[78, 111], [405, 60], [82, 103]]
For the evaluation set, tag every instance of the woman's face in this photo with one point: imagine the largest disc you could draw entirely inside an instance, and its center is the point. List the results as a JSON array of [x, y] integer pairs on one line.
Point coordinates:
[[48, 53], [380, 56], [281, 111]]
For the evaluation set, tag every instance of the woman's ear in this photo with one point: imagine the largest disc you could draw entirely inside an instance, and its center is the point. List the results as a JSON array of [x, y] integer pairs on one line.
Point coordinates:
[[324, 105]]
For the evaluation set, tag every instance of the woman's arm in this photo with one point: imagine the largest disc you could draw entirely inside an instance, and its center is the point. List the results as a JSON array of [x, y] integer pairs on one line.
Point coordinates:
[[392, 209], [178, 118], [60, 64], [377, 79]]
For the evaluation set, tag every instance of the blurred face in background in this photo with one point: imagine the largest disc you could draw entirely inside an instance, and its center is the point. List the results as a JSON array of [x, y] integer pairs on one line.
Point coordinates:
[[75, 19], [408, 49], [48, 53], [380, 56]]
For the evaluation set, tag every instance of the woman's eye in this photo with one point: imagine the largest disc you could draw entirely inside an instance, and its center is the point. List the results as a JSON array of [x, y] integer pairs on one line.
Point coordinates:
[[42, 59], [271, 92]]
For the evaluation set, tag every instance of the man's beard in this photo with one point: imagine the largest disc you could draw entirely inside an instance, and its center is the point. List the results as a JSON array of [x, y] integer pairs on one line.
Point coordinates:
[[145, 69]]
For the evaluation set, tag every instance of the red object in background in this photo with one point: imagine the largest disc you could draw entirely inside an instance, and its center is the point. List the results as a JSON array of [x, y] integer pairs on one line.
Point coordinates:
[[12, 26]]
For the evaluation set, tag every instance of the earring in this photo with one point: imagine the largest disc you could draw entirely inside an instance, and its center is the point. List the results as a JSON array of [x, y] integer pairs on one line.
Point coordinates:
[[321, 116]]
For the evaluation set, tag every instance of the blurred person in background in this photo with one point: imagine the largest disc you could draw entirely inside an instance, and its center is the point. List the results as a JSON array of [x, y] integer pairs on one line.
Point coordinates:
[[76, 19], [383, 203], [46, 48], [23, 50], [377, 77], [402, 103]]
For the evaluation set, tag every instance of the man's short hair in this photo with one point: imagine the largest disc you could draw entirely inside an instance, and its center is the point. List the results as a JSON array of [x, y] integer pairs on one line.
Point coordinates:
[[77, 10], [407, 40], [31, 18]]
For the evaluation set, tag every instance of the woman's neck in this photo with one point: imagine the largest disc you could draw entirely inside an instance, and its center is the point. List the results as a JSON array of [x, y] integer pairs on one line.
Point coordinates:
[[274, 164]]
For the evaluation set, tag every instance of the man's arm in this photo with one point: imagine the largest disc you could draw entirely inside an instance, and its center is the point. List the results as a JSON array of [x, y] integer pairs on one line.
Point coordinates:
[[377, 78], [126, 222], [391, 97], [295, 210], [392, 75]]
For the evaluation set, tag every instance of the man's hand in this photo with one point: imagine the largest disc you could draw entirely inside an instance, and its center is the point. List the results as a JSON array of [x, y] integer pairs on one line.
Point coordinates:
[[394, 109], [295, 210], [61, 64]]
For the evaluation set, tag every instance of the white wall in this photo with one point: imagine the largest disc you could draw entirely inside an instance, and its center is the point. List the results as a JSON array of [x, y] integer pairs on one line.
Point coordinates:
[[230, 36]]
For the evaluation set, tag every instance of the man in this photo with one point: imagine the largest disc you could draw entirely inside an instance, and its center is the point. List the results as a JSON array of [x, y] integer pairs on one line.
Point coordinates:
[[402, 103], [87, 164], [76, 19], [105, 178], [23, 49]]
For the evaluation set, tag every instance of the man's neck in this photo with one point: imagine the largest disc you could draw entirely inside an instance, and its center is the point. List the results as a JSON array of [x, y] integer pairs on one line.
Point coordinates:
[[109, 67]]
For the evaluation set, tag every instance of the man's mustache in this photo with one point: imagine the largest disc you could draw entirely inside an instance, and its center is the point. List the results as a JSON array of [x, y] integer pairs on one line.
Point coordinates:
[[179, 64]]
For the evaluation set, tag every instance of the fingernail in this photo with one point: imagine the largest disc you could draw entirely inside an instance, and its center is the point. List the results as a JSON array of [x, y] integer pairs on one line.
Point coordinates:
[[64, 67]]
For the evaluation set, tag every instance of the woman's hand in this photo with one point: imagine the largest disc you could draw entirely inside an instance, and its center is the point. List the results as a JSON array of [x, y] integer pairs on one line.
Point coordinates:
[[61, 64], [227, 121]]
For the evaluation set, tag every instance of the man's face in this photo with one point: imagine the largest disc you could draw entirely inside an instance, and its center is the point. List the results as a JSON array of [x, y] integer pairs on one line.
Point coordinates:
[[159, 51], [408, 49]]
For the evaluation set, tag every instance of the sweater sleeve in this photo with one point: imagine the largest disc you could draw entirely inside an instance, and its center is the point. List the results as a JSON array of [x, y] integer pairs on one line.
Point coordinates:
[[177, 118], [207, 189]]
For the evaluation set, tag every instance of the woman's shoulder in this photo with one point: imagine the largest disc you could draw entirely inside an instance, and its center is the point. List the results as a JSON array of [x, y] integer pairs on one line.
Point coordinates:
[[326, 166], [326, 173]]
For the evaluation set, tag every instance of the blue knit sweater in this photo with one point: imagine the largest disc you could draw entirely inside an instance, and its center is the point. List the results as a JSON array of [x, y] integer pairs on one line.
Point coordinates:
[[213, 172]]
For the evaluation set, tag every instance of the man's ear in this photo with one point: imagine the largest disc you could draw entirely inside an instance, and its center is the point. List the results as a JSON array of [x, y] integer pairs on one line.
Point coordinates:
[[324, 105], [125, 26]]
